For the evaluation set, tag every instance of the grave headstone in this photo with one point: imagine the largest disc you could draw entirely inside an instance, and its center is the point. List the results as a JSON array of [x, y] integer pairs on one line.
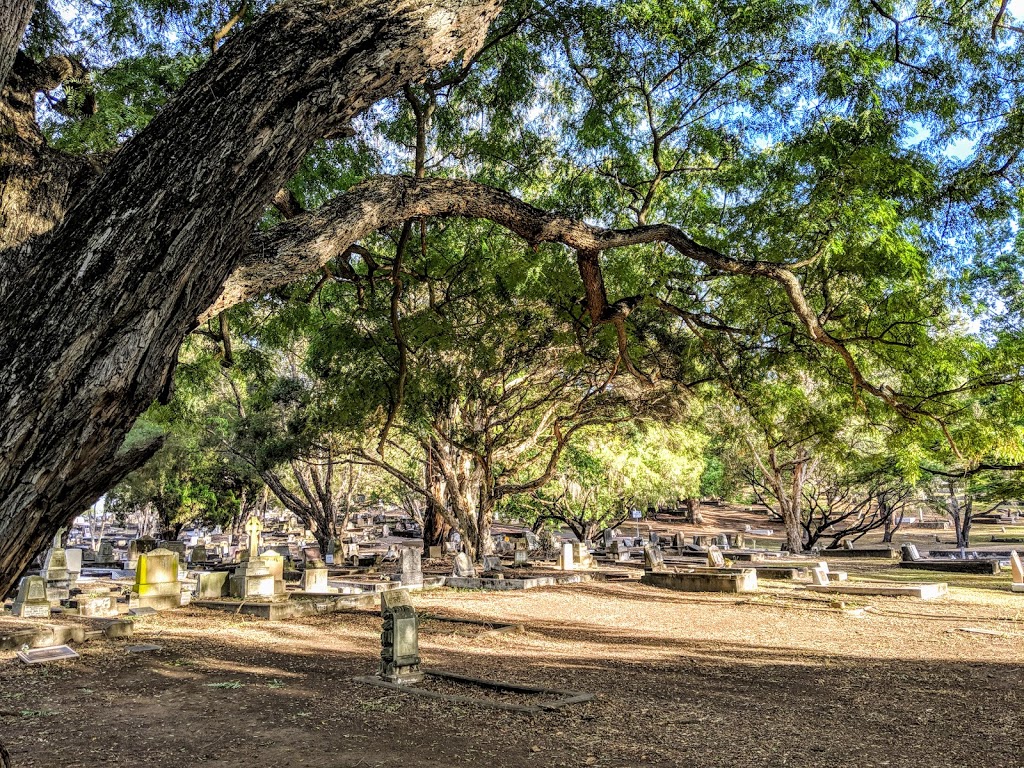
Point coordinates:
[[156, 581], [819, 576], [55, 571], [31, 601], [434, 552], [175, 546], [1017, 569], [722, 541], [399, 640], [520, 557], [715, 557], [411, 565], [252, 578], [198, 554], [106, 552], [492, 563], [275, 564], [566, 561], [314, 578], [73, 558], [654, 561], [463, 566], [607, 537], [910, 553], [581, 553], [253, 529]]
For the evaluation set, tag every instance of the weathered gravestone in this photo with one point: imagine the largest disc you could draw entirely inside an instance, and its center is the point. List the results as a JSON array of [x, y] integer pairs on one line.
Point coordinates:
[[275, 564], [582, 556], [106, 552], [1017, 568], [156, 581], [464, 566], [521, 555], [175, 546], [492, 563], [411, 565], [435, 552], [253, 528], [198, 554], [819, 576], [679, 542], [31, 601], [910, 553], [73, 560], [607, 537], [566, 561], [722, 541], [715, 557], [399, 640], [619, 551], [55, 571], [312, 554], [314, 577], [137, 547], [654, 561]]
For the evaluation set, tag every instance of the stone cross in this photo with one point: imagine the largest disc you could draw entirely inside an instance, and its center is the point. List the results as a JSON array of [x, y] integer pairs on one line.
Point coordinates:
[[253, 527]]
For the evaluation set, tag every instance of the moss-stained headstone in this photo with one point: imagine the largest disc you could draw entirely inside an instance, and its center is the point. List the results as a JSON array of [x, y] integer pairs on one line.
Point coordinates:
[[400, 649], [31, 601]]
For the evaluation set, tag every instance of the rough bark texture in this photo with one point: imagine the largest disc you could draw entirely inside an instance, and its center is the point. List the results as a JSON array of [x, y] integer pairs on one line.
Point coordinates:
[[105, 298]]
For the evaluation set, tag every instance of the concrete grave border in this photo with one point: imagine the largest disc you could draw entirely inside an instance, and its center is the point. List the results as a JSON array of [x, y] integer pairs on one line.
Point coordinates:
[[568, 697]]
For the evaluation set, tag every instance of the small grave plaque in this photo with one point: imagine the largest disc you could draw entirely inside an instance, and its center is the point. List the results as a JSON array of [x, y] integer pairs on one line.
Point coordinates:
[[143, 648], [46, 655]]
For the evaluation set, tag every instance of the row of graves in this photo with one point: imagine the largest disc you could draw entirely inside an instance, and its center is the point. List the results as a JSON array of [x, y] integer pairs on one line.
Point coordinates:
[[280, 576]]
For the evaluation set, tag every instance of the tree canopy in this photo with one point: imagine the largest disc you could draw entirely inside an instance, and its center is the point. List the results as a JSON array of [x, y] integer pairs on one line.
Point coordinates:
[[642, 201]]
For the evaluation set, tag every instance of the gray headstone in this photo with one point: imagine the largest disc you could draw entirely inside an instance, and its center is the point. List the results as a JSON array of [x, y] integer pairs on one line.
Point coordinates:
[[464, 566], [31, 601], [654, 561], [411, 564], [715, 557], [910, 553], [400, 651]]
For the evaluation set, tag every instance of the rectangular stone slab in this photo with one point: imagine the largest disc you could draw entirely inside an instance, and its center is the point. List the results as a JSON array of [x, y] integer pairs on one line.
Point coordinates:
[[952, 566], [883, 589], [45, 655], [705, 580]]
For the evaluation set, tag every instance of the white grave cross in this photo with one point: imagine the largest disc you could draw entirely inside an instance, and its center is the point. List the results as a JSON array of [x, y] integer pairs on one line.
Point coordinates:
[[253, 527]]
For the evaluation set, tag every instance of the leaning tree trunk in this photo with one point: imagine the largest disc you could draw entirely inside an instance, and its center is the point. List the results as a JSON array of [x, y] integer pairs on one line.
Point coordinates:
[[96, 307]]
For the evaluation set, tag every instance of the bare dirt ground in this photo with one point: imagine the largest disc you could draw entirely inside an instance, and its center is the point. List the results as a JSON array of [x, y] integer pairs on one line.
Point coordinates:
[[778, 678]]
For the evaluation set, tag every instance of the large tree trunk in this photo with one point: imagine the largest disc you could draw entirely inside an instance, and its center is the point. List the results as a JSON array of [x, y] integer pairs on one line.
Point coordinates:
[[96, 308]]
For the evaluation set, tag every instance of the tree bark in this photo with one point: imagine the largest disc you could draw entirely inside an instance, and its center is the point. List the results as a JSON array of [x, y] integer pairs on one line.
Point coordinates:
[[98, 306]]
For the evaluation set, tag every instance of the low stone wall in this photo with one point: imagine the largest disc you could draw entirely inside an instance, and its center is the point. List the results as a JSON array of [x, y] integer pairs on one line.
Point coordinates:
[[705, 580], [465, 582], [46, 635]]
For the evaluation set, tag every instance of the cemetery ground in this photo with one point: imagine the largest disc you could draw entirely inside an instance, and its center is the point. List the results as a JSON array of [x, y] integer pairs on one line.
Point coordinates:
[[778, 678]]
